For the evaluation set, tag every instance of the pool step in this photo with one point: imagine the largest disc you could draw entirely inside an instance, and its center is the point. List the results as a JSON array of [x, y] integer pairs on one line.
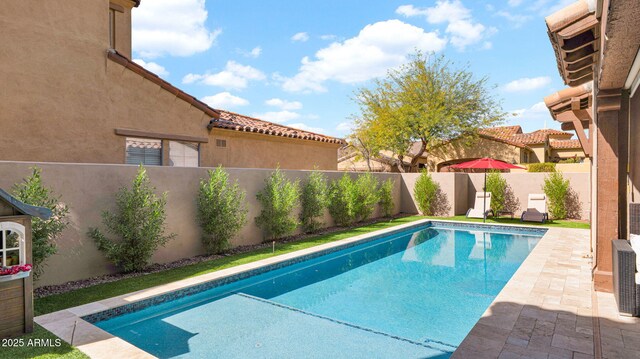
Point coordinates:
[[427, 343]]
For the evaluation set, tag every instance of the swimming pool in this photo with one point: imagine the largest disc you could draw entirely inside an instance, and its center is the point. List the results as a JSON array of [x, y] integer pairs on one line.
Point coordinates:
[[415, 293]]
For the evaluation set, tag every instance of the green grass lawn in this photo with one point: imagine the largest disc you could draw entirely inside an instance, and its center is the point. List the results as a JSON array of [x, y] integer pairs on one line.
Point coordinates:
[[107, 290], [505, 220]]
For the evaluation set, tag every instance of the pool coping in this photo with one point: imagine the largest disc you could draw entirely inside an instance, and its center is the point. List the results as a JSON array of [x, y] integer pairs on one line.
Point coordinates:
[[69, 325]]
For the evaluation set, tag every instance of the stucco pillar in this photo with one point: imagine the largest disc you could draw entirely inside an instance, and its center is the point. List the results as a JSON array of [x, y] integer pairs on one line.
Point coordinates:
[[607, 189]]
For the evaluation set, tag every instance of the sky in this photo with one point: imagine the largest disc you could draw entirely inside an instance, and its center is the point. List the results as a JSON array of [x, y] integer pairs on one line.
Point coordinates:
[[299, 63]]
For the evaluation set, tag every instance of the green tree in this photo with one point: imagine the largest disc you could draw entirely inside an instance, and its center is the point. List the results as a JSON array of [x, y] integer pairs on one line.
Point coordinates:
[[365, 196], [315, 198], [556, 187], [44, 232], [342, 200], [425, 193], [279, 197], [138, 224], [221, 210], [386, 197], [497, 185], [425, 100]]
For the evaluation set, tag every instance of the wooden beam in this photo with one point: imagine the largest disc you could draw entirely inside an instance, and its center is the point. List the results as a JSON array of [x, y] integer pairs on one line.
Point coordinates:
[[584, 141], [159, 136]]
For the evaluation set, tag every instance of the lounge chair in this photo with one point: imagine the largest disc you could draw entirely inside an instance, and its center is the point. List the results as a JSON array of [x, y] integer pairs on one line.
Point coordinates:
[[536, 209], [479, 206]]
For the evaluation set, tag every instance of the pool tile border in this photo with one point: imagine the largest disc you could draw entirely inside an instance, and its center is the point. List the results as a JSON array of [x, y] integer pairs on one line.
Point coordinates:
[[75, 325]]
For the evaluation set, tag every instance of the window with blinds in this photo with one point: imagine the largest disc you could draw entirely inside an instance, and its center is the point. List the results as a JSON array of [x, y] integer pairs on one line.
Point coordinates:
[[144, 151], [184, 154]]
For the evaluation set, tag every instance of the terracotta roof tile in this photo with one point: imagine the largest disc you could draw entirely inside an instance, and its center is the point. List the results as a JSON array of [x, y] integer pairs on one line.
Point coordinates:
[[565, 144], [234, 121], [513, 135]]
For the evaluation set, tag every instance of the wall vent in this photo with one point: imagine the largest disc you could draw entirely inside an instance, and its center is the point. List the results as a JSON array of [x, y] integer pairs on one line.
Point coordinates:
[[221, 143]]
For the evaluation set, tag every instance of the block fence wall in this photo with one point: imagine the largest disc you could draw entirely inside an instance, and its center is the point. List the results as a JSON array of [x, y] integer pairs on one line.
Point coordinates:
[[89, 189]]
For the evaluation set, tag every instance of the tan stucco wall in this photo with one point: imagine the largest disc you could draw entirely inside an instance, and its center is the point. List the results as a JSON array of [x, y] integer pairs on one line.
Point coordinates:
[[523, 184], [62, 99], [567, 153], [89, 189], [453, 185], [538, 154], [479, 148], [249, 150], [352, 164]]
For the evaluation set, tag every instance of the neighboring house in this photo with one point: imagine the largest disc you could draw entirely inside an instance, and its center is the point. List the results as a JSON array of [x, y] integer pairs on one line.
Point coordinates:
[[71, 93], [506, 143], [596, 44]]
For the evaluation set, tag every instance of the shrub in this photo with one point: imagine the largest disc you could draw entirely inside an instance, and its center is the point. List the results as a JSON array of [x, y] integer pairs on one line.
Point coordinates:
[[341, 200], [278, 198], [497, 185], [221, 210], [425, 192], [542, 167], [365, 196], [556, 189], [44, 233], [138, 223], [315, 196], [386, 197]]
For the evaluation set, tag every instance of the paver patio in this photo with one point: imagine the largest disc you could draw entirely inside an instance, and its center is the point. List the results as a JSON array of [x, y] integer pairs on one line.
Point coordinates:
[[550, 310]]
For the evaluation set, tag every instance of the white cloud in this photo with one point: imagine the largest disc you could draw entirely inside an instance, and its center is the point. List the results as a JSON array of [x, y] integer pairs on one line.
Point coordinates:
[[256, 52], [284, 104], [224, 100], [328, 37], [168, 27], [548, 7], [377, 48], [301, 37], [304, 127], [277, 116], [535, 112], [153, 67], [516, 20], [527, 84], [234, 76], [461, 27], [515, 3], [345, 127]]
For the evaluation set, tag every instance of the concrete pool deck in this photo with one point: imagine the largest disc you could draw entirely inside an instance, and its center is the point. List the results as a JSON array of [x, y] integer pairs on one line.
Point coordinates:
[[546, 310]]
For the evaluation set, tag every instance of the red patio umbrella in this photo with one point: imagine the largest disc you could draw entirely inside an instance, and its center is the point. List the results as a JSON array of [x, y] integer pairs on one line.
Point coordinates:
[[486, 164]]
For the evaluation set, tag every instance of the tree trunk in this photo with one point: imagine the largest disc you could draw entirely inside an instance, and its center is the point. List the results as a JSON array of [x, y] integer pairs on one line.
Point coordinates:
[[414, 161]]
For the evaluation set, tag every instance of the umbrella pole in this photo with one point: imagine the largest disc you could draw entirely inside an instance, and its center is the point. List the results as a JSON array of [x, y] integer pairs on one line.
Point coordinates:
[[484, 199]]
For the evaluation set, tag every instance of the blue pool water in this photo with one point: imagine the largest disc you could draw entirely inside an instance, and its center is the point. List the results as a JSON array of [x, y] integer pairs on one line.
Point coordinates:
[[412, 294]]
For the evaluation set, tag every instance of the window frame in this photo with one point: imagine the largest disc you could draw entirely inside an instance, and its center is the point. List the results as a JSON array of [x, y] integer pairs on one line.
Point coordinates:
[[143, 138], [198, 147], [21, 231]]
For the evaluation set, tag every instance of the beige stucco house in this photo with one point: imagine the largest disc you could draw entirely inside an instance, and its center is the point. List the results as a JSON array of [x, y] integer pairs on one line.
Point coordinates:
[[506, 143], [70, 93]]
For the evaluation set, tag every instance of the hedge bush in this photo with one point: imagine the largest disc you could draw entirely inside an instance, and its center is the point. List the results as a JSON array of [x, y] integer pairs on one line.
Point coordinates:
[[138, 224], [556, 187], [314, 199], [341, 200], [386, 197], [278, 198], [44, 232], [221, 210], [497, 185], [365, 196], [425, 192], [542, 167]]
